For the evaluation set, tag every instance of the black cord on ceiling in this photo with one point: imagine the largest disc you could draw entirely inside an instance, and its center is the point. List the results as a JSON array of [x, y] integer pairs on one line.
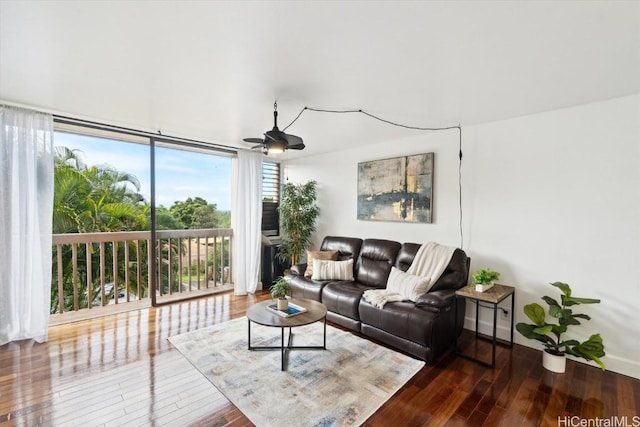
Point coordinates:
[[320, 110], [459, 127]]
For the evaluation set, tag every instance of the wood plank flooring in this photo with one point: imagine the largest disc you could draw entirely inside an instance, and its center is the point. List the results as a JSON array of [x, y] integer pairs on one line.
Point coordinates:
[[122, 370]]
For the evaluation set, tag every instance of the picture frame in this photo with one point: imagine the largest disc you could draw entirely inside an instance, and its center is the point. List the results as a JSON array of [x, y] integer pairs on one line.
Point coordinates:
[[398, 189]]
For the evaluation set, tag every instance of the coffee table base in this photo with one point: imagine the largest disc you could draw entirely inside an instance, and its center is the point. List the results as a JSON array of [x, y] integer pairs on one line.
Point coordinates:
[[285, 349]]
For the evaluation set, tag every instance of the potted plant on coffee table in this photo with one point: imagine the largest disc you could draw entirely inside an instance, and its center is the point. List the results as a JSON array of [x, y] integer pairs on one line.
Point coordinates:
[[279, 291], [550, 334], [484, 278]]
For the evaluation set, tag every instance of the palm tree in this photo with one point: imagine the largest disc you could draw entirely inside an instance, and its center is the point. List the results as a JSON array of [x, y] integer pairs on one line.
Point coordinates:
[[94, 199]]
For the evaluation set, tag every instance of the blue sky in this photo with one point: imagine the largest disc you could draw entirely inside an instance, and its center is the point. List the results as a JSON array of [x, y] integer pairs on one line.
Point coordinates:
[[179, 174]]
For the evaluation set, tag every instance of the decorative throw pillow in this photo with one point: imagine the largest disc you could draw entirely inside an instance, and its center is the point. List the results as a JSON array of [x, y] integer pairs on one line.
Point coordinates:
[[408, 285], [311, 255], [332, 270]]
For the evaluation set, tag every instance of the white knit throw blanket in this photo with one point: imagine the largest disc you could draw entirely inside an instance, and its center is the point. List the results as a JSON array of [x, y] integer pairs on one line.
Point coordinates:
[[379, 297], [430, 261]]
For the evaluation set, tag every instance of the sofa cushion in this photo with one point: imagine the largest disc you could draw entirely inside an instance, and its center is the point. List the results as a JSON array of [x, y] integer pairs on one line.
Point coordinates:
[[406, 255], [332, 270], [303, 287], [375, 261], [437, 299], [347, 247], [343, 298], [402, 319], [411, 287], [311, 255], [456, 274]]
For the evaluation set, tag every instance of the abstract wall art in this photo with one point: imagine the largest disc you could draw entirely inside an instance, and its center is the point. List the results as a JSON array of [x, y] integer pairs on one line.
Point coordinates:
[[397, 189]]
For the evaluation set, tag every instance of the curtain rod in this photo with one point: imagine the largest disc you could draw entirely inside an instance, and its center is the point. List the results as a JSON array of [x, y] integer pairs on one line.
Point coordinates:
[[135, 132], [64, 118]]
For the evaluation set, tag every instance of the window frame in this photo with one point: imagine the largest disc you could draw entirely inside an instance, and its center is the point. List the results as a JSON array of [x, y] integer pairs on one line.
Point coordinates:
[[95, 129], [271, 181]]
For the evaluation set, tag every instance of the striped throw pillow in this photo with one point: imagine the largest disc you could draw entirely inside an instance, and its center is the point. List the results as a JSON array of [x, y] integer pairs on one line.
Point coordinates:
[[332, 270], [408, 285], [311, 255]]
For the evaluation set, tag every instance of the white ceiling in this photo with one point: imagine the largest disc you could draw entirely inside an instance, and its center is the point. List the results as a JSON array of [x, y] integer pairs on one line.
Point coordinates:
[[211, 70]]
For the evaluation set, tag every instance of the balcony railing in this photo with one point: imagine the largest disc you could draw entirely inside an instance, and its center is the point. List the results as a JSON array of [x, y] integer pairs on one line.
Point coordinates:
[[98, 269]]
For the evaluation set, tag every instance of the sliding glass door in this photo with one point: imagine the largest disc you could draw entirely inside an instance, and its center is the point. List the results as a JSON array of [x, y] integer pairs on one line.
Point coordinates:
[[137, 218], [192, 220]]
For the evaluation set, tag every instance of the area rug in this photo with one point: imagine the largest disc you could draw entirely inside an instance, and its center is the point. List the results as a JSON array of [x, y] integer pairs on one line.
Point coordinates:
[[342, 385]]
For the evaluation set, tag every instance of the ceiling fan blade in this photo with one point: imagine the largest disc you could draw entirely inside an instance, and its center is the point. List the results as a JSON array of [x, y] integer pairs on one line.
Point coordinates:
[[293, 141], [275, 135], [255, 147], [254, 140], [296, 147]]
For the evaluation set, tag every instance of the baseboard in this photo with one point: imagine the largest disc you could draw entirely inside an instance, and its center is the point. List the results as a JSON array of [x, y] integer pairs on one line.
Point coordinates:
[[486, 328], [613, 363]]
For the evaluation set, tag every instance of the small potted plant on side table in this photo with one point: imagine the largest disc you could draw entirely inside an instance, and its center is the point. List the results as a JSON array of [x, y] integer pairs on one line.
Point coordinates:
[[484, 278], [549, 334], [279, 291]]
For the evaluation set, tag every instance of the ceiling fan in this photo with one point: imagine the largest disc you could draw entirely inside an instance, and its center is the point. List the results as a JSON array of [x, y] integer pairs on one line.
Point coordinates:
[[276, 141]]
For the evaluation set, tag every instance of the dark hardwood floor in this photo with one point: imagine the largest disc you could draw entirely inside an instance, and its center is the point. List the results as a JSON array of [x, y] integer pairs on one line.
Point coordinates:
[[122, 370]]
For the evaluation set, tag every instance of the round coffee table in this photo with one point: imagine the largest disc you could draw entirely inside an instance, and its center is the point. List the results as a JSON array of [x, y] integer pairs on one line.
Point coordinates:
[[259, 313]]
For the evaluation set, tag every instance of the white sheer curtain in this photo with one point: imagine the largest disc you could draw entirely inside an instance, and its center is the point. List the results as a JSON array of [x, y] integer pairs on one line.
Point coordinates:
[[247, 220], [26, 209]]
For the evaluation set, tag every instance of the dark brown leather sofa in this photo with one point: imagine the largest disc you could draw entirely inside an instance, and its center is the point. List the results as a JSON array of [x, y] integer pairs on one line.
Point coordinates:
[[424, 329]]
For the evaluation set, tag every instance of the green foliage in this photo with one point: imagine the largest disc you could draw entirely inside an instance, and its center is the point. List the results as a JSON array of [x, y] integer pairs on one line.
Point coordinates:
[[95, 199], [550, 334], [205, 217], [224, 218], [195, 213], [280, 289], [88, 200], [103, 199], [484, 276], [298, 215], [166, 221], [220, 261]]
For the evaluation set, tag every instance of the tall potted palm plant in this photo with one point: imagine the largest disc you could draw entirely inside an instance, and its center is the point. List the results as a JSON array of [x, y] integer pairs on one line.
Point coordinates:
[[298, 214]]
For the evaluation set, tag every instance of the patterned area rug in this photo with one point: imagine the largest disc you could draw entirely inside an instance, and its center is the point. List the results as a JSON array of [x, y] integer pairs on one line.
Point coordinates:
[[343, 385]]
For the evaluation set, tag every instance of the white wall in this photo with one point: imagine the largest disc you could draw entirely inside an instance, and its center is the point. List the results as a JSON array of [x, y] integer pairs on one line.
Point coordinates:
[[337, 187], [547, 197]]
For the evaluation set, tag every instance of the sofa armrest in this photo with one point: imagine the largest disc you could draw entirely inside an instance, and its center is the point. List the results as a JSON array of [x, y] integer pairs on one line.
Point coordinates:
[[299, 269], [437, 299]]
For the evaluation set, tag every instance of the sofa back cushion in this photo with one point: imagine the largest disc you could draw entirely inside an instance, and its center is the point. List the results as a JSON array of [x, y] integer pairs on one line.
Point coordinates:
[[376, 258], [455, 275], [406, 255], [347, 247]]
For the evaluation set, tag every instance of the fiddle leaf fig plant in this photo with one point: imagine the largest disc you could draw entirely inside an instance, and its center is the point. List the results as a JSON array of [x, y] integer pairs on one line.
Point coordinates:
[[550, 334]]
